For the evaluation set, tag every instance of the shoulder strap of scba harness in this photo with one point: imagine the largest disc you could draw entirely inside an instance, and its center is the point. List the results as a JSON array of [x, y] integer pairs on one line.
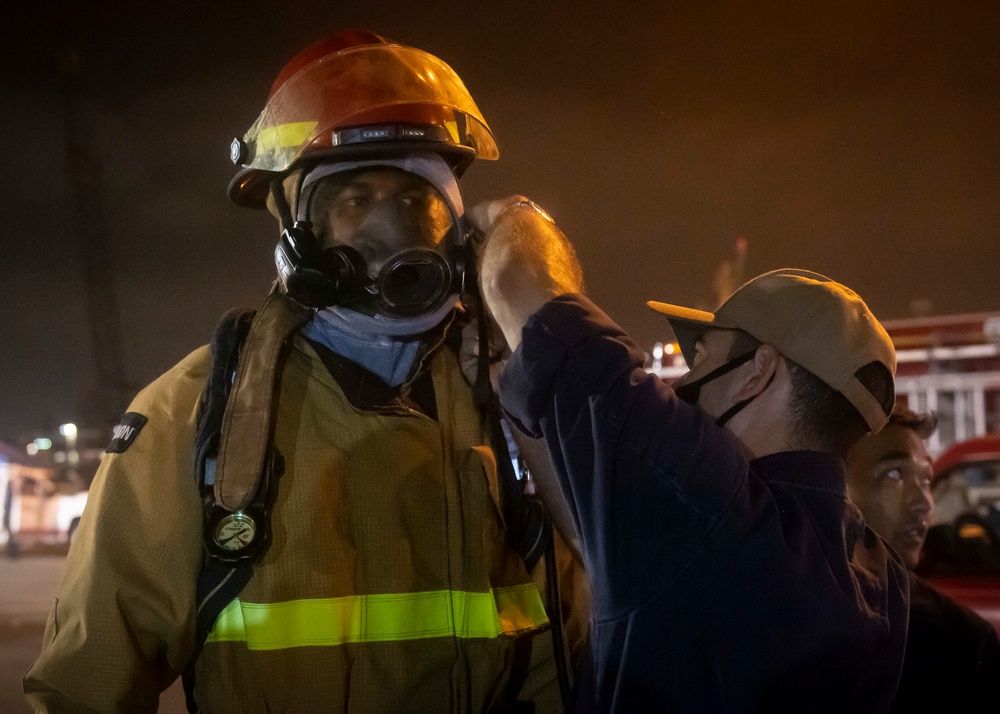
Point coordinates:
[[238, 467], [236, 463]]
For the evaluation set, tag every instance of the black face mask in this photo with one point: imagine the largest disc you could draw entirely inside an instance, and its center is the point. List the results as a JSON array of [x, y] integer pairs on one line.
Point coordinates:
[[691, 391], [412, 282]]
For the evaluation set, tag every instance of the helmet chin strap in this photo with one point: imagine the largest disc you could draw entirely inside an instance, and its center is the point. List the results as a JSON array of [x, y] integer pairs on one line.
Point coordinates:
[[281, 203]]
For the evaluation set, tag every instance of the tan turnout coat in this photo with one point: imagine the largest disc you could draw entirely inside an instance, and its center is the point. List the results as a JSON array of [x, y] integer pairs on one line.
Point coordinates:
[[387, 586]]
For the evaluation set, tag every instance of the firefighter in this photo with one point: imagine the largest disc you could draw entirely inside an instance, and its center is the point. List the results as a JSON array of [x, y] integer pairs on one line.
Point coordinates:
[[316, 512]]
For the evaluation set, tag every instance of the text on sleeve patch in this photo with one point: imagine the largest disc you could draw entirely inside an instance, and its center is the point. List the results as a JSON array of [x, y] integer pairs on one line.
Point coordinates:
[[126, 431]]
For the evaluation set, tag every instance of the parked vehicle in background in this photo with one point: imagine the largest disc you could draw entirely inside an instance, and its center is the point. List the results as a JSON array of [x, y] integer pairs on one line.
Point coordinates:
[[966, 477], [961, 555], [37, 510]]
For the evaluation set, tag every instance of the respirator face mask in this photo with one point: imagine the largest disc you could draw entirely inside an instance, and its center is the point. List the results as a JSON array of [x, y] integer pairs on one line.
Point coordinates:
[[691, 391], [379, 241]]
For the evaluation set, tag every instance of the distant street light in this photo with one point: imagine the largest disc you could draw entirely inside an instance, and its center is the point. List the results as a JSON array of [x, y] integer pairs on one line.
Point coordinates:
[[72, 456]]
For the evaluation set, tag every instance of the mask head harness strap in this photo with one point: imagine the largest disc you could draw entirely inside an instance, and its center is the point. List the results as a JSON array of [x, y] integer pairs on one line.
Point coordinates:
[[236, 464]]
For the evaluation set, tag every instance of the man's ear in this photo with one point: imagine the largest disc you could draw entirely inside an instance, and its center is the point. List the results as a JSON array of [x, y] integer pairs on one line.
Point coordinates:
[[762, 370]]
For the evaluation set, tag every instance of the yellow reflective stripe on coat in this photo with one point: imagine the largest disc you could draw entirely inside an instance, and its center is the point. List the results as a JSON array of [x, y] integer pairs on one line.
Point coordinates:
[[381, 618]]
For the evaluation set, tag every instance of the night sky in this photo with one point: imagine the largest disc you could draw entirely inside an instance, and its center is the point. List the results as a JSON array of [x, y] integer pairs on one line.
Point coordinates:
[[857, 139]]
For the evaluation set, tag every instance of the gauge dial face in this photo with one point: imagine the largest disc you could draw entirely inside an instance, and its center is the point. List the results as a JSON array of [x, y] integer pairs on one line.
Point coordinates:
[[235, 532]]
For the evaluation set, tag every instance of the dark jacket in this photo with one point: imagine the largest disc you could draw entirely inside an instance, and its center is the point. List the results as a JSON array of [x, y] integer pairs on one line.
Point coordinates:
[[718, 584], [952, 658]]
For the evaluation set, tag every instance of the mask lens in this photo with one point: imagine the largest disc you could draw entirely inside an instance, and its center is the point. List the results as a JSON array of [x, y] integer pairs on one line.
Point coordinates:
[[382, 207], [414, 282]]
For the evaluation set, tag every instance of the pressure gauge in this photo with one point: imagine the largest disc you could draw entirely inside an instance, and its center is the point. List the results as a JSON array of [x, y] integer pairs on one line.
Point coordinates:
[[235, 532]]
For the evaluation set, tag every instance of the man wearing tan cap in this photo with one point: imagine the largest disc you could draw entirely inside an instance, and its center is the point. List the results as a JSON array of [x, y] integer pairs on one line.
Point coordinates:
[[729, 571]]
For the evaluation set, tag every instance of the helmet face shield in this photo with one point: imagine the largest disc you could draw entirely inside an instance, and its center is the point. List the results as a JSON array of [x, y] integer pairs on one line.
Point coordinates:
[[365, 85]]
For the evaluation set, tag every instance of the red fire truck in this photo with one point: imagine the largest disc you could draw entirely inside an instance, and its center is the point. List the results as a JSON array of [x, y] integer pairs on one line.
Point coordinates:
[[950, 365]]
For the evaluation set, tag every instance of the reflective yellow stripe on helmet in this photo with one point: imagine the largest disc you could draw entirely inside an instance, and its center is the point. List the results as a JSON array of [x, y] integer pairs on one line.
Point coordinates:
[[380, 618], [295, 134]]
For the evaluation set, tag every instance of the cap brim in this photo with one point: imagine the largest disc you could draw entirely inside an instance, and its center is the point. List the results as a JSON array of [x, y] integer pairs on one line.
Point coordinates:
[[688, 325]]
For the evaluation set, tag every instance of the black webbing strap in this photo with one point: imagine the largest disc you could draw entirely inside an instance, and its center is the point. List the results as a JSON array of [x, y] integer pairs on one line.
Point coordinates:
[[556, 615], [218, 583], [529, 530], [229, 335], [523, 517], [509, 703]]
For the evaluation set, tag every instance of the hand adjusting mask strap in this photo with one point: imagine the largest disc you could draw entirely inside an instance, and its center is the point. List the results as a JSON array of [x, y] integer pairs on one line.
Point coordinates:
[[691, 391]]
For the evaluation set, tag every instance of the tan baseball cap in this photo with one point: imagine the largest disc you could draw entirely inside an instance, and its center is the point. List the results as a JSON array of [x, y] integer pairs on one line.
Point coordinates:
[[819, 324]]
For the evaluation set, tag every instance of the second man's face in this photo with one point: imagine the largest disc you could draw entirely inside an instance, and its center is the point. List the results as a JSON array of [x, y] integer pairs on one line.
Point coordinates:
[[889, 476]]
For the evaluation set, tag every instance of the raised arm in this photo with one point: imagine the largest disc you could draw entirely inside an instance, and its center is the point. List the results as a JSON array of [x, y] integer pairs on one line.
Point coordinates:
[[524, 261]]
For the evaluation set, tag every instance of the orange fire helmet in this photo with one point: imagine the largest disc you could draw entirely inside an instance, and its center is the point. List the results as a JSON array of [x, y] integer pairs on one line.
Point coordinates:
[[356, 96]]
